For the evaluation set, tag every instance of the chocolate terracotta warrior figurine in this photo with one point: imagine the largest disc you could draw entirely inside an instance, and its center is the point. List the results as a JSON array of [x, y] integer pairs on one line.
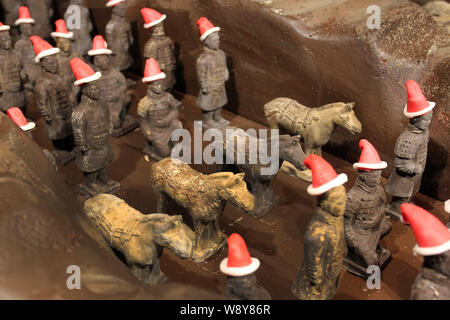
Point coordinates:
[[11, 73], [113, 86], [365, 223], [240, 268], [212, 74], [25, 47], [158, 113], [433, 242], [92, 129], [324, 242], [63, 39], [81, 41], [52, 99], [42, 11], [160, 47], [410, 150]]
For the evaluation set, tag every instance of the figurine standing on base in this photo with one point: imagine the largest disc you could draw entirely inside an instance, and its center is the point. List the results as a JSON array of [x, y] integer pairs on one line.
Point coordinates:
[[158, 113], [160, 47], [11, 73], [52, 99], [433, 242], [364, 220], [318, 278], [92, 129], [212, 73], [240, 268], [114, 89], [81, 35], [42, 11], [25, 47], [410, 150]]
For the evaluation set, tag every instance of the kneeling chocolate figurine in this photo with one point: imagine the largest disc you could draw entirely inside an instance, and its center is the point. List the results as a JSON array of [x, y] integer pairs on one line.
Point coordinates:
[[92, 130]]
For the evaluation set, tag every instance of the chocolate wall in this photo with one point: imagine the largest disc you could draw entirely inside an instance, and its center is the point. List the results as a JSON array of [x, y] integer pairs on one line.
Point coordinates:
[[318, 52]]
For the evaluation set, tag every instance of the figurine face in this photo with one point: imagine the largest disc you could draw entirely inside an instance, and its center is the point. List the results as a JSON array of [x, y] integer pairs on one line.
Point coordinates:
[[5, 40], [26, 29], [91, 90], [63, 44], [371, 178], [158, 30], [119, 10], [102, 61], [422, 122], [156, 86], [50, 63], [213, 41]]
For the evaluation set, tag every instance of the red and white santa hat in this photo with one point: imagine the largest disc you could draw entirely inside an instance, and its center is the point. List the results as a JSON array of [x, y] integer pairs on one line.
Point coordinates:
[[431, 234], [151, 17], [239, 262], [4, 27], [152, 71], [417, 104], [24, 16], [447, 206], [324, 178], [42, 48], [99, 46], [16, 115], [83, 72], [113, 3], [369, 159], [206, 28], [61, 30]]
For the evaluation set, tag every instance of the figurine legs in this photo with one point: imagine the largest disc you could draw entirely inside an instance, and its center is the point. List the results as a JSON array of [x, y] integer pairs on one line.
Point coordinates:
[[208, 121], [218, 117], [393, 209], [97, 182]]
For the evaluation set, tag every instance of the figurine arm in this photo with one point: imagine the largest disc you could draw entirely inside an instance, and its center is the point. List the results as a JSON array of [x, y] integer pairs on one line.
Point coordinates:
[[314, 254], [79, 131], [351, 208], [202, 75], [42, 102], [407, 166]]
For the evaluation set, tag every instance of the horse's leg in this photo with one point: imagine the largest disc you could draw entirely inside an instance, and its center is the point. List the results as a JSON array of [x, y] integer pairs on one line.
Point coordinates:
[[161, 202], [273, 122]]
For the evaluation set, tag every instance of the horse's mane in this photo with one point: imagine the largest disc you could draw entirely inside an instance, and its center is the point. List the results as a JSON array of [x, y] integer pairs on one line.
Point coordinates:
[[328, 106]]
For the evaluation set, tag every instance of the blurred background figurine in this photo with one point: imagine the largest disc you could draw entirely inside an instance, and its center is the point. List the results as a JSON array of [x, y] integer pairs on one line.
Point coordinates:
[[365, 222], [324, 242], [81, 41], [10, 10], [42, 11], [433, 242], [240, 269], [159, 46], [410, 151]]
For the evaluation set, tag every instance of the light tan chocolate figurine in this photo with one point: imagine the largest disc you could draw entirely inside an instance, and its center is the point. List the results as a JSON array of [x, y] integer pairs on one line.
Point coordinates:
[[204, 196]]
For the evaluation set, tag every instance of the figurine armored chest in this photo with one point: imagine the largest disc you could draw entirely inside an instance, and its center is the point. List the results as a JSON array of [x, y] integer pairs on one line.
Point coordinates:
[[10, 72]]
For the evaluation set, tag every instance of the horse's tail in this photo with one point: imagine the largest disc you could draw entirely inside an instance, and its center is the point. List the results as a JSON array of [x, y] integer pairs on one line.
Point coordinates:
[[272, 110]]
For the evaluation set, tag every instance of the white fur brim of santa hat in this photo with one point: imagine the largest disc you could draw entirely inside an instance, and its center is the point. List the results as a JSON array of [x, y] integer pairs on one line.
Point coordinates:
[[99, 52], [113, 3], [239, 271], [430, 107], [5, 27], [68, 35], [432, 251], [24, 20], [371, 166], [336, 182], [46, 53], [94, 77], [154, 23], [158, 76], [207, 33], [29, 126], [447, 206]]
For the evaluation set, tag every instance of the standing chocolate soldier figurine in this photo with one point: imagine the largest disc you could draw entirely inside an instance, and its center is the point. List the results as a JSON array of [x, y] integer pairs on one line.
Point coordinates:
[[158, 113], [433, 242], [63, 39], [113, 86], [240, 268], [92, 129], [324, 247], [81, 34], [25, 47], [212, 74], [42, 11], [160, 47], [410, 150], [365, 222], [52, 99], [11, 73]]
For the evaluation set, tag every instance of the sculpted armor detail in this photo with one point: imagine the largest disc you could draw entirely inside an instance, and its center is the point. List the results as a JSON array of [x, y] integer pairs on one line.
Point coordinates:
[[11, 89]]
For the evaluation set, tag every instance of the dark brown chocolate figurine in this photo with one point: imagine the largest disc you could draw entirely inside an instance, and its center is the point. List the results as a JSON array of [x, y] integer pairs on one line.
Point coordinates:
[[42, 11], [158, 113], [159, 46], [10, 10], [113, 86], [11, 73], [25, 47], [204, 197], [324, 248], [365, 222], [77, 13], [52, 99], [433, 242], [212, 73], [92, 129], [63, 39], [410, 150], [119, 36], [240, 268]]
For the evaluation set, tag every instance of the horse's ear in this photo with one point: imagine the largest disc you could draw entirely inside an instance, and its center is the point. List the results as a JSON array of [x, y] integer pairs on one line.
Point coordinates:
[[349, 106], [296, 139]]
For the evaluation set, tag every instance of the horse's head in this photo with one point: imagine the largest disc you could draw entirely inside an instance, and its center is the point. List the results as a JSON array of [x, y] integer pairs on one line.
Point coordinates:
[[291, 151], [347, 119], [232, 187]]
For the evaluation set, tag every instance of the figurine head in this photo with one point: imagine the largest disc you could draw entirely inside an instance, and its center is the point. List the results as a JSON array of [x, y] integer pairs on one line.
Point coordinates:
[[153, 76], [50, 64], [158, 30], [102, 61], [369, 165], [213, 41], [91, 90], [64, 44], [422, 122], [26, 29], [334, 201], [5, 40], [25, 21], [120, 10], [370, 178], [86, 77], [156, 86]]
